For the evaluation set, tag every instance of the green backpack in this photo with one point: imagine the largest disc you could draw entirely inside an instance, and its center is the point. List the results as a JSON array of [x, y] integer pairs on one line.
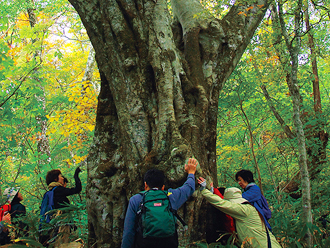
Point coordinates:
[[156, 218]]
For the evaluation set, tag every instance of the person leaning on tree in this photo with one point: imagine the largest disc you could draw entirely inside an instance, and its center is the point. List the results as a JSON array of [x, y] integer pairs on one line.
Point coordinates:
[[250, 225], [154, 179], [253, 194]]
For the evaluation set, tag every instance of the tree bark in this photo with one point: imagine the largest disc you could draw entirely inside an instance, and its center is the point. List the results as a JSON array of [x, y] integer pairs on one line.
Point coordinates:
[[88, 75], [316, 133], [160, 83]]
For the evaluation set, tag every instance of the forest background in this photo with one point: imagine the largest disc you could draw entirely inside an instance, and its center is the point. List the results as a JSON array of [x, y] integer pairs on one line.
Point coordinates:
[[48, 100]]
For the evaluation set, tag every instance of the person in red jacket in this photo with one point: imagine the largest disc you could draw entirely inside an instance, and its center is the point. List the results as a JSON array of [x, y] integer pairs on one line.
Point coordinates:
[[229, 224], [220, 227], [4, 233]]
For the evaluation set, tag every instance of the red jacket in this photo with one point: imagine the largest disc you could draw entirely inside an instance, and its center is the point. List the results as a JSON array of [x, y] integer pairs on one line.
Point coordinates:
[[229, 224], [3, 209]]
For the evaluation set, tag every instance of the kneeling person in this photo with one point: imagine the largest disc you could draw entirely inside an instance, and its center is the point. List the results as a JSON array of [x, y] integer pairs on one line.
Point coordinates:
[[133, 236]]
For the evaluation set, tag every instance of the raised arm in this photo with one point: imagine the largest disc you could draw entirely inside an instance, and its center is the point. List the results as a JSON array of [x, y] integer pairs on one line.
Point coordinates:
[[180, 195]]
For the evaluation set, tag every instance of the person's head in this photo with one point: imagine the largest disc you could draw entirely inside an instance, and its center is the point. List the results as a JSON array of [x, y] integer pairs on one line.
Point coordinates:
[[154, 179], [222, 190], [18, 198], [12, 193], [54, 176], [244, 177], [233, 194]]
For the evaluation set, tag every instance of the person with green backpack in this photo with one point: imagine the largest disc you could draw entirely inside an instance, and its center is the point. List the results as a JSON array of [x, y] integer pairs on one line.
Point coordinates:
[[151, 214]]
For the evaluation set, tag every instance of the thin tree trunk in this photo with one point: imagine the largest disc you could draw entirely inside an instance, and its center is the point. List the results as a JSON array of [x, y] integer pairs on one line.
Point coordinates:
[[278, 117], [42, 138], [316, 137], [88, 75], [294, 49]]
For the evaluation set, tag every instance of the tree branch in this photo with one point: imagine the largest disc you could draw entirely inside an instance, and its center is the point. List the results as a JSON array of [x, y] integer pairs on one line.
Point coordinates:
[[251, 142], [285, 127], [22, 80], [239, 26], [190, 14], [20, 165]]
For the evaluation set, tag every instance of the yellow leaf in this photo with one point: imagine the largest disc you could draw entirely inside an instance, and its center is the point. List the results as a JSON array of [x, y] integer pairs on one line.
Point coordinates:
[[90, 127]]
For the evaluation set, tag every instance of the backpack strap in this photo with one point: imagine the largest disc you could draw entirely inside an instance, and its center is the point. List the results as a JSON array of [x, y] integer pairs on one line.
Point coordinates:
[[51, 200], [268, 237], [53, 188], [142, 193], [175, 213]]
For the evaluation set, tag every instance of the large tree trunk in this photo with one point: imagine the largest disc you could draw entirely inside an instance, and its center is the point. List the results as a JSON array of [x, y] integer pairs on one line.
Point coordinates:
[[160, 82]]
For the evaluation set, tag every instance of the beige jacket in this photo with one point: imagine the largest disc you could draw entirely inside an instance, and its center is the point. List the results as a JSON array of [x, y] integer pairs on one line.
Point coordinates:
[[250, 229]]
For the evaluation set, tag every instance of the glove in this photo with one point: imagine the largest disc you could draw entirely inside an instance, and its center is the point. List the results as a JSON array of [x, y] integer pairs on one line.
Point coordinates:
[[202, 185], [78, 170]]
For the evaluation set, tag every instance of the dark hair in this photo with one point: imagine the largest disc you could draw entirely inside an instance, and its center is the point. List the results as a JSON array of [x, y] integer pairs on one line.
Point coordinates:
[[52, 176], [154, 178], [15, 200], [65, 180], [222, 190], [246, 175]]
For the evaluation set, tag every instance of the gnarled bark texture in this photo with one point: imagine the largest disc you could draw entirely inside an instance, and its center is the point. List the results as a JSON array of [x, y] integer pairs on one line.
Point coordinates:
[[160, 82]]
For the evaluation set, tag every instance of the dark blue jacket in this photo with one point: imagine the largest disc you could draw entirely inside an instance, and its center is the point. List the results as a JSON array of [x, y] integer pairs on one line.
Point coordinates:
[[177, 198], [253, 194], [19, 210], [61, 193]]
